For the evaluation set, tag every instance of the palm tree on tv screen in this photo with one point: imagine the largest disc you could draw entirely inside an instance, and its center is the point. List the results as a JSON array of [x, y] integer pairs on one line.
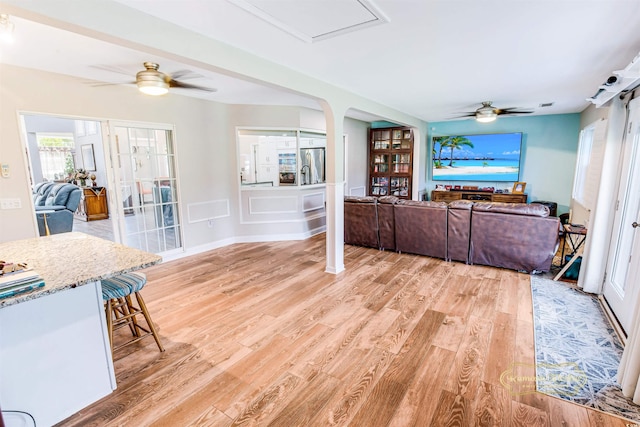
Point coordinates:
[[456, 143], [443, 141]]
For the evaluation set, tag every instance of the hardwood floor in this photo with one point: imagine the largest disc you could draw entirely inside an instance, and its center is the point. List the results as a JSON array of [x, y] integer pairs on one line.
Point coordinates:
[[259, 334]]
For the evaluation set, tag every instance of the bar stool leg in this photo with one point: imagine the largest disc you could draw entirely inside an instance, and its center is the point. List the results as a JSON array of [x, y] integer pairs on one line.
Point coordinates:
[[131, 309], [145, 312], [107, 309], [121, 311]]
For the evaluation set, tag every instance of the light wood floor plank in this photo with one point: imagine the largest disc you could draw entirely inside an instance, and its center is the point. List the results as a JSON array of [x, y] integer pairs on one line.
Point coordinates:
[[419, 403], [470, 360], [501, 348], [259, 334], [526, 416], [492, 406], [452, 410], [390, 390]]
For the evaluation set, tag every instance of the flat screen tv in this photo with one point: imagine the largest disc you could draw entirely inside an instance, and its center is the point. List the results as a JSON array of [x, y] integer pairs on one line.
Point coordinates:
[[487, 157]]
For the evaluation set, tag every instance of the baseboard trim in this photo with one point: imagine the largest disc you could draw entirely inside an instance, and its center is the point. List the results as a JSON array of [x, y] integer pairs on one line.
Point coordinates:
[[613, 320], [241, 239]]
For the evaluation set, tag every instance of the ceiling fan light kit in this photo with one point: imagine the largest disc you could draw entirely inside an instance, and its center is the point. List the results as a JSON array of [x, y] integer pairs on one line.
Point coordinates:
[[486, 114], [151, 81]]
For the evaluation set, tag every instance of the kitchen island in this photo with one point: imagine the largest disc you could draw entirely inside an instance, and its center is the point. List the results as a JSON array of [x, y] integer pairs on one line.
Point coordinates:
[[55, 356]]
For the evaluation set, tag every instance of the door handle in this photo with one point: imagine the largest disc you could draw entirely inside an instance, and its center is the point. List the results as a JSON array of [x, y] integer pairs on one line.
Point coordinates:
[[635, 224]]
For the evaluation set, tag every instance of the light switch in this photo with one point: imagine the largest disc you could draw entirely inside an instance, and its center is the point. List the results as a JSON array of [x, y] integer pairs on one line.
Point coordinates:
[[10, 203], [5, 171]]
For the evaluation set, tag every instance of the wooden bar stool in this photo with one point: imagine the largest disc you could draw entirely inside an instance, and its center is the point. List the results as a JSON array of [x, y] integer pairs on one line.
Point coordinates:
[[120, 310]]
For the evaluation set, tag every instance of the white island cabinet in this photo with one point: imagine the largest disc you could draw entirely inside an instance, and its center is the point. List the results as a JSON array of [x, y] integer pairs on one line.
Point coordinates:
[[55, 357]]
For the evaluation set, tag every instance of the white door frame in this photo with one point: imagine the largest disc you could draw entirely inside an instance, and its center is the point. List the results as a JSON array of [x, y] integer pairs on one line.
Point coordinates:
[[619, 289], [113, 176]]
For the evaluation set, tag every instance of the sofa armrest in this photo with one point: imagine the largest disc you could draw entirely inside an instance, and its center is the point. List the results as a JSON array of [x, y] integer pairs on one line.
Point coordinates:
[[60, 221], [50, 208]]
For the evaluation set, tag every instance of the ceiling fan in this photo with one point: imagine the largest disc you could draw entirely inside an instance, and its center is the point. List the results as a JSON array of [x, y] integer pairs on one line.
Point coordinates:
[[488, 113], [151, 81]]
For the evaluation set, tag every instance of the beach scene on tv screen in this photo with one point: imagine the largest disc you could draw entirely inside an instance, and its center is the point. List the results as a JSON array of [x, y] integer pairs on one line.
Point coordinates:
[[490, 157]]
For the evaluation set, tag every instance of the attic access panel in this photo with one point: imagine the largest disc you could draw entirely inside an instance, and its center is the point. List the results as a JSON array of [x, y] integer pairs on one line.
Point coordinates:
[[315, 20]]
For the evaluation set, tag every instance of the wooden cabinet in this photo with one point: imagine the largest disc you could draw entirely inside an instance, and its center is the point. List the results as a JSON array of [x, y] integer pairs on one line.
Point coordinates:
[[477, 196], [93, 204], [391, 162]]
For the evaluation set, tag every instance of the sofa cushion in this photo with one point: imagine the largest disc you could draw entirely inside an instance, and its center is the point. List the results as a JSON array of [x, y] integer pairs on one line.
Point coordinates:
[[386, 222], [461, 204], [41, 191], [361, 221], [459, 230], [360, 199], [423, 204], [421, 227], [64, 195], [513, 208], [516, 241]]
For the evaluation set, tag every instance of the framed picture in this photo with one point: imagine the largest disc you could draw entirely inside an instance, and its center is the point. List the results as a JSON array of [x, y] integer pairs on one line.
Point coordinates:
[[518, 187], [88, 159]]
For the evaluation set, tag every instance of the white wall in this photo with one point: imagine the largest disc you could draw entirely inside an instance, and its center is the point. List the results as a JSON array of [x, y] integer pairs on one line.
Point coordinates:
[[358, 163], [202, 140], [205, 142]]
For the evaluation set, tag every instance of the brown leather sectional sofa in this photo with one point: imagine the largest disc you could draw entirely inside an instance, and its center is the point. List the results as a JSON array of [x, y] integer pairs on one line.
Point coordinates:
[[517, 236]]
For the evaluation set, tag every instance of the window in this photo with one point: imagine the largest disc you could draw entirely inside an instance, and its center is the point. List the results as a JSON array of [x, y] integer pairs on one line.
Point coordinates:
[[589, 163], [278, 158], [56, 155]]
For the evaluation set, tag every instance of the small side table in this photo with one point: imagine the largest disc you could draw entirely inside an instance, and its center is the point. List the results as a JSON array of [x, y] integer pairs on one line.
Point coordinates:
[[93, 204], [576, 236]]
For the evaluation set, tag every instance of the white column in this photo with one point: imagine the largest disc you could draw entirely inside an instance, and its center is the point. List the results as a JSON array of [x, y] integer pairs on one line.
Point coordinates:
[[334, 115]]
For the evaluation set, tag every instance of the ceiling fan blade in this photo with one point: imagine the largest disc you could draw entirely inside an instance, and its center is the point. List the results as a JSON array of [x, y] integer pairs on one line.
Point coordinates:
[[185, 74], [469, 114], [178, 84], [94, 84], [502, 112], [111, 69]]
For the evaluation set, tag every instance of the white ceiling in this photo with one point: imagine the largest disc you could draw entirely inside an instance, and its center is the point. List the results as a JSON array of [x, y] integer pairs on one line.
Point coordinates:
[[433, 59]]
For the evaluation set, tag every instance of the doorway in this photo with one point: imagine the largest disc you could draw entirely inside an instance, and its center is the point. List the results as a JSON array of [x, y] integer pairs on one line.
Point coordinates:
[[620, 290], [134, 168]]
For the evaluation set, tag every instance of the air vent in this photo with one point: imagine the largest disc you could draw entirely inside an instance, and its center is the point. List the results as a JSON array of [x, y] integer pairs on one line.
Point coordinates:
[[546, 104]]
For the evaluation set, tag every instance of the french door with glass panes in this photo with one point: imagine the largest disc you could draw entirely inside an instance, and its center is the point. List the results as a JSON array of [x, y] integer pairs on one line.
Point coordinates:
[[144, 172], [621, 286]]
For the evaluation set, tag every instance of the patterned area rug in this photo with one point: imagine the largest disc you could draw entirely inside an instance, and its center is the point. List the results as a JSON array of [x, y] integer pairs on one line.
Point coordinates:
[[577, 350]]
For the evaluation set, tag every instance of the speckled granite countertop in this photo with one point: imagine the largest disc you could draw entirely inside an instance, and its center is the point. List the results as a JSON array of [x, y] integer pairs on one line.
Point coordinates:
[[73, 259]]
